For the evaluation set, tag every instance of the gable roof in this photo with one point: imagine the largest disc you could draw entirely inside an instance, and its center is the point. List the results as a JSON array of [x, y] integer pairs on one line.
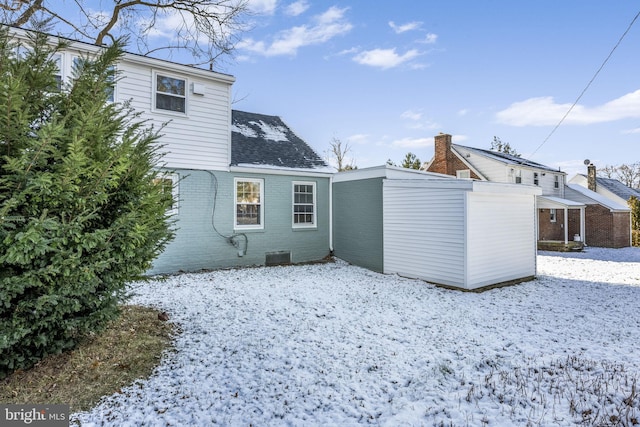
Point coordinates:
[[579, 193], [616, 187], [259, 139], [506, 158]]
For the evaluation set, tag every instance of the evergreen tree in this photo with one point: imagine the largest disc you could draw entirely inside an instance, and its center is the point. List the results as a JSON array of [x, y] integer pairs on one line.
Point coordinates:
[[503, 147], [82, 207], [411, 162]]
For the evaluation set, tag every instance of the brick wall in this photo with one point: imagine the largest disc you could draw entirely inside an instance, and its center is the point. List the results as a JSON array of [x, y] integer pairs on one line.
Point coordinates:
[[444, 160], [605, 228]]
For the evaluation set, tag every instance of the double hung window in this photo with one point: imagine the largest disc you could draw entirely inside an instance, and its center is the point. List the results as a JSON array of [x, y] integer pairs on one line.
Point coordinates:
[[170, 93], [249, 196], [304, 204]]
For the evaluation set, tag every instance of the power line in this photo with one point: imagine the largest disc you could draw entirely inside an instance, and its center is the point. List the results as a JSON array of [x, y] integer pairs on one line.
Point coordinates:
[[588, 85]]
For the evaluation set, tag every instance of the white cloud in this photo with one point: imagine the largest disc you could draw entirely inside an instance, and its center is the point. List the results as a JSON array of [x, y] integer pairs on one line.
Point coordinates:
[[544, 111], [631, 131], [359, 138], [430, 38], [413, 142], [411, 115], [263, 7], [297, 8], [323, 28], [384, 58], [463, 112], [410, 26]]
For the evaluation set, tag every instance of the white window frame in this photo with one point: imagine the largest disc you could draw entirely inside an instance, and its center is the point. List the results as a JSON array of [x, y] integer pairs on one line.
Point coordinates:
[[553, 215], [156, 92], [58, 58], [518, 177], [463, 174], [314, 214], [556, 182], [75, 59], [260, 204], [175, 191]]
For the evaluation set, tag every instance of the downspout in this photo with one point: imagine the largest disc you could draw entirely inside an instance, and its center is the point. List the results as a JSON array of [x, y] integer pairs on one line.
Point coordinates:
[[536, 227], [331, 214]]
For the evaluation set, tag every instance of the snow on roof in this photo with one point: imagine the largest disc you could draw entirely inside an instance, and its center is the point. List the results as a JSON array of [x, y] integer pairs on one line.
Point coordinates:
[[259, 139], [599, 198], [616, 187]]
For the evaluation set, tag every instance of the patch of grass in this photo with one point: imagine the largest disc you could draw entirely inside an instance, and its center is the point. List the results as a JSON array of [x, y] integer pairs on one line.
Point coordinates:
[[128, 349]]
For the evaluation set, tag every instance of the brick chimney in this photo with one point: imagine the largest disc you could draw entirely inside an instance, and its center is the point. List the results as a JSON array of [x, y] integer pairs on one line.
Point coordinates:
[[591, 177], [442, 159]]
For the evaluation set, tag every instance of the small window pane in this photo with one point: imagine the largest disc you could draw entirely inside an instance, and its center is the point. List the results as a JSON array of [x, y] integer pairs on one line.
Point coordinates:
[[304, 204], [248, 203], [170, 93]]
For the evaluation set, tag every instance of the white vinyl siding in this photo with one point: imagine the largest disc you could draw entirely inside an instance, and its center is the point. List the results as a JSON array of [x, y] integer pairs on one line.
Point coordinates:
[[424, 232], [199, 141], [465, 234], [500, 237]]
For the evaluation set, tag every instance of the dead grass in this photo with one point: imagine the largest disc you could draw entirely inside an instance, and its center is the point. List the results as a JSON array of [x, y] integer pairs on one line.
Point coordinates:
[[127, 350]]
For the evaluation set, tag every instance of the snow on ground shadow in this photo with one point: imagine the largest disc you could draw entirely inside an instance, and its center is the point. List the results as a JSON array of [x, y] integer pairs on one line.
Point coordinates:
[[334, 344]]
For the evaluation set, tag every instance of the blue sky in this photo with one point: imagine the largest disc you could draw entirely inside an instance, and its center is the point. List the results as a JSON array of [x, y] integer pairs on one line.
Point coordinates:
[[385, 77]]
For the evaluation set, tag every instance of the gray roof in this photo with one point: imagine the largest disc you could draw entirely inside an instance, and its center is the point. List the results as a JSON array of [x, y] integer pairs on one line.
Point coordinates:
[[507, 158], [616, 187], [259, 139]]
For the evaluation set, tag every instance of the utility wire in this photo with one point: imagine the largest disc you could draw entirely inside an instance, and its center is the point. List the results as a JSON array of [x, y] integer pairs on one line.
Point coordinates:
[[588, 85]]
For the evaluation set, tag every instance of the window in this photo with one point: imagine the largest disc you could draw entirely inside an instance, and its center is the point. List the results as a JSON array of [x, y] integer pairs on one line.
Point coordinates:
[[169, 183], [556, 182], [249, 195], [552, 215], [535, 178], [171, 93], [57, 59], [463, 174], [518, 176], [79, 62], [304, 204]]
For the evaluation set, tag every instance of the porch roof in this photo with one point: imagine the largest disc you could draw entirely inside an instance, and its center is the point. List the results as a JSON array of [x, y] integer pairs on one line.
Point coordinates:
[[550, 202]]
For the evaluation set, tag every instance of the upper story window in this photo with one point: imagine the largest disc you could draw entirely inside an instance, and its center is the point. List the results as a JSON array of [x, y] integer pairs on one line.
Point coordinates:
[[304, 204], [518, 176], [556, 181], [536, 180], [79, 62], [170, 93], [249, 197], [463, 174], [57, 59]]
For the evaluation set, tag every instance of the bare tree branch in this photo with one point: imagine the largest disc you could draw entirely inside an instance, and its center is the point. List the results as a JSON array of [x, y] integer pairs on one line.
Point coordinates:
[[205, 29]]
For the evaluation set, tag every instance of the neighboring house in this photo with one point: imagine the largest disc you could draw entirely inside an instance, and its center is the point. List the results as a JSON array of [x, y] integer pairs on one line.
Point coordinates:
[[608, 187], [457, 233], [554, 209], [610, 215], [248, 193]]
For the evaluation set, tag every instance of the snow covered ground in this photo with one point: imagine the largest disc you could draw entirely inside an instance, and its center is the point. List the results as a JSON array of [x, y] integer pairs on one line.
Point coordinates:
[[335, 344]]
